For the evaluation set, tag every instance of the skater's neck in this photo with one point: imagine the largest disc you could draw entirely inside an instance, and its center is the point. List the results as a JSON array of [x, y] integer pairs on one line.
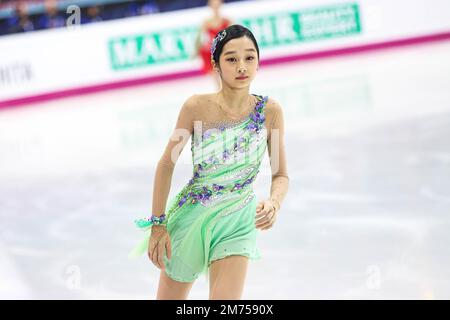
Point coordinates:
[[234, 99]]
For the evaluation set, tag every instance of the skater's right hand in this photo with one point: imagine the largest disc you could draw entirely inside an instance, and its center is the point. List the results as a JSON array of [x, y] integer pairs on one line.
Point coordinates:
[[159, 242]]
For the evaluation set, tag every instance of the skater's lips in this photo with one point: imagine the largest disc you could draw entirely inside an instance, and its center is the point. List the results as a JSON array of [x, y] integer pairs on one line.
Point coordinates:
[[242, 77]]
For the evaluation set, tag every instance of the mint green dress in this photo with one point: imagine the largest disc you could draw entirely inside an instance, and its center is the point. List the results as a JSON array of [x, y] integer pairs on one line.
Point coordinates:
[[213, 215]]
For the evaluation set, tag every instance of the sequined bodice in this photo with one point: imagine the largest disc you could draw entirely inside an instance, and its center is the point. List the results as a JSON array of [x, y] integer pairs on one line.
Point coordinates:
[[226, 160]]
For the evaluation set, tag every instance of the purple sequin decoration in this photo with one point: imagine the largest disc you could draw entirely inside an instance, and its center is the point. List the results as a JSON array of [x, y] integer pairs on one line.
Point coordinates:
[[257, 119]]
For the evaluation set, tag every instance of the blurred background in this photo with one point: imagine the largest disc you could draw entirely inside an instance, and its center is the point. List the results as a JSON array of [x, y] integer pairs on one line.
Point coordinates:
[[90, 92]]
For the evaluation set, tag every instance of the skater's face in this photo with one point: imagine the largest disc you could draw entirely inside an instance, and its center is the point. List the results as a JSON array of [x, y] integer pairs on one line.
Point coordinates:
[[215, 4], [238, 58]]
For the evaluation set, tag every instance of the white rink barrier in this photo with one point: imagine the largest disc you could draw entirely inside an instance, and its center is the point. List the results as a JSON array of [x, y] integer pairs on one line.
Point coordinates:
[[51, 63]]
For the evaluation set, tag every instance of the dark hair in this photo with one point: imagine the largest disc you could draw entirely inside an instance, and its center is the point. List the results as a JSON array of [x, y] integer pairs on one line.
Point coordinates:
[[232, 32]]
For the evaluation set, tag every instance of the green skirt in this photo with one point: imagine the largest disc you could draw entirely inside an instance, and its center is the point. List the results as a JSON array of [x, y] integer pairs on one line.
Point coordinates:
[[201, 234]]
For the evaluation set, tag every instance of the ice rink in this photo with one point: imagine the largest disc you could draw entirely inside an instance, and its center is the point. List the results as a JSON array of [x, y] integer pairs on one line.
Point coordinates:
[[367, 215]]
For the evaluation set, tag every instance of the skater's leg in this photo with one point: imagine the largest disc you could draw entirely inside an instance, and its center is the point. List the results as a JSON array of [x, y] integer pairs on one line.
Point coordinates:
[[170, 289], [227, 277]]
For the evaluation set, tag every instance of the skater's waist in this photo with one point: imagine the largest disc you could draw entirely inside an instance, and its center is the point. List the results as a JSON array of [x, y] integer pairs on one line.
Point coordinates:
[[219, 186], [233, 180]]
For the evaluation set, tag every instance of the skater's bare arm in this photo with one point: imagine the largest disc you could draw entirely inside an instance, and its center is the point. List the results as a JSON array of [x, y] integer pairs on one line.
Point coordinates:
[[277, 153], [164, 170]]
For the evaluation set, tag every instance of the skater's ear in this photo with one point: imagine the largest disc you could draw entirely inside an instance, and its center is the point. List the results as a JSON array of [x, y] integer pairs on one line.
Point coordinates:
[[215, 66]]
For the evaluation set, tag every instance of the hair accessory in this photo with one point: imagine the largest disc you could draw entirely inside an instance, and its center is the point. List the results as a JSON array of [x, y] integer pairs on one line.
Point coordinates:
[[218, 38], [153, 220]]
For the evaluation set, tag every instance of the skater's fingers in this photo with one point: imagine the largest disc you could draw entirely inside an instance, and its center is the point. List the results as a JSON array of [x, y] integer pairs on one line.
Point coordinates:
[[149, 253], [155, 255], [266, 225], [271, 206], [261, 223], [263, 219], [272, 216], [263, 213], [150, 249], [260, 215], [266, 207], [259, 206], [169, 249], [161, 247], [270, 222]]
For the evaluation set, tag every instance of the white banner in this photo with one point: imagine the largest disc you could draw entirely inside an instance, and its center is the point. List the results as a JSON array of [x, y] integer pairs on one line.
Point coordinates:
[[112, 53]]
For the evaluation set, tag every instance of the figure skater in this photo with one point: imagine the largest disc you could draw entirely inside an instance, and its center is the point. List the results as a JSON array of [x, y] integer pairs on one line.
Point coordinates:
[[211, 225], [208, 30]]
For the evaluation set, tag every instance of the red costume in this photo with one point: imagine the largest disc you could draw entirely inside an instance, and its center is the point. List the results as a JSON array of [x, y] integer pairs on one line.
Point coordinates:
[[205, 49]]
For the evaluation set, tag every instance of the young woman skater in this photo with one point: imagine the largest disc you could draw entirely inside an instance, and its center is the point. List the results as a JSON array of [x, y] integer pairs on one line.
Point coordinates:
[[210, 226], [208, 30]]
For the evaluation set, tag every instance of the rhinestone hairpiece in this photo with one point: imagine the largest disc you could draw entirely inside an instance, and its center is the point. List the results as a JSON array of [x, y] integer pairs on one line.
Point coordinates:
[[218, 38]]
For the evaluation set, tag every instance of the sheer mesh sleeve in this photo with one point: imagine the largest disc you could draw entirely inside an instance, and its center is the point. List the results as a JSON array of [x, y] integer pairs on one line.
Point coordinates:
[[164, 170], [277, 154], [275, 143]]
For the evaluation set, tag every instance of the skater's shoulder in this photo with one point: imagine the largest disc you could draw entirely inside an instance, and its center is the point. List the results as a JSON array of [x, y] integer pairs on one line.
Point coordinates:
[[204, 99], [198, 97], [272, 108], [195, 104], [273, 113], [272, 105], [205, 96], [192, 102]]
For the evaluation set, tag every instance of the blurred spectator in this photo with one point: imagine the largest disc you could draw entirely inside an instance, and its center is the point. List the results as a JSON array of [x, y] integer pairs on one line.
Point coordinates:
[[20, 21], [92, 15], [131, 9], [52, 18], [148, 7]]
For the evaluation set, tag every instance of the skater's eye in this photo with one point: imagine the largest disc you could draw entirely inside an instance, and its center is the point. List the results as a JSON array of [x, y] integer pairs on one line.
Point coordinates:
[[250, 58]]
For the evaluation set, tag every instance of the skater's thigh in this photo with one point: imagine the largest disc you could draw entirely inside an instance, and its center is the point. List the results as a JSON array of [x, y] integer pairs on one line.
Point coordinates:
[[170, 289], [227, 277]]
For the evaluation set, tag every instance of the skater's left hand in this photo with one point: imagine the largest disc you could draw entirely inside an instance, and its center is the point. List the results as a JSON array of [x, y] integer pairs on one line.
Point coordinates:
[[266, 214]]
